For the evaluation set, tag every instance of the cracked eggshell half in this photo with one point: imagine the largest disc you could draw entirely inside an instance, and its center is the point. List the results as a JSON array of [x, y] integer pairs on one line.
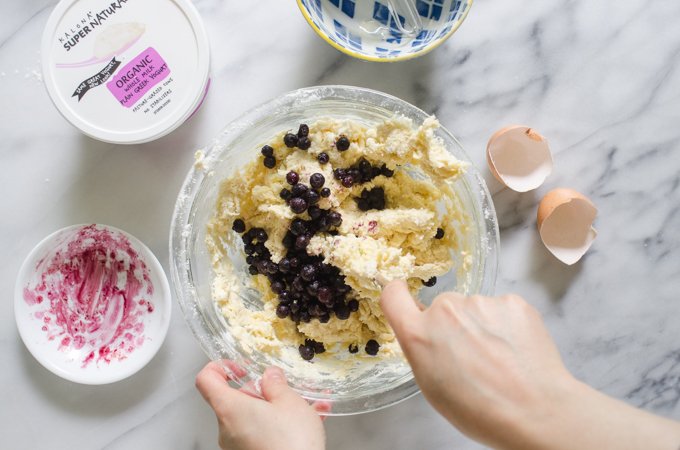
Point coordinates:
[[519, 157], [564, 222]]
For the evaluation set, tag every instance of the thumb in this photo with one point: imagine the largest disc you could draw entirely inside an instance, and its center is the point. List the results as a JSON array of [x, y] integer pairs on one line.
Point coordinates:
[[275, 388], [398, 306]]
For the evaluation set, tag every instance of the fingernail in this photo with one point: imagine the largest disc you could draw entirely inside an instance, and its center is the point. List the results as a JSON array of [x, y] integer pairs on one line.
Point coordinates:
[[275, 372]]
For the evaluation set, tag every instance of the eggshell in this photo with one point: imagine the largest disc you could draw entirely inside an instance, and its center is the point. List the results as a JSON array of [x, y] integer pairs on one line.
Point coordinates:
[[564, 220], [519, 157]]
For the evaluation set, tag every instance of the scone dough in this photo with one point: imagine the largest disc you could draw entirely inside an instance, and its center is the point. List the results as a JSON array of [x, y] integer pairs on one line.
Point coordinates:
[[398, 241]]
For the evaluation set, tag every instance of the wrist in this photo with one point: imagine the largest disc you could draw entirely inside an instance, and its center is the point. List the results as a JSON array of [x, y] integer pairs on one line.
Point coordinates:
[[575, 416]]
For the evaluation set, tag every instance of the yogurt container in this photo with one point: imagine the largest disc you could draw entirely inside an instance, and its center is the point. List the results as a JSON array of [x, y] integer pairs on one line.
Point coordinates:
[[126, 71]]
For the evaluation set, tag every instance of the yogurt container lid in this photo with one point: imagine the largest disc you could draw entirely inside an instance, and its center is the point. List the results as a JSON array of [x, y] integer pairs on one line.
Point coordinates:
[[126, 71]]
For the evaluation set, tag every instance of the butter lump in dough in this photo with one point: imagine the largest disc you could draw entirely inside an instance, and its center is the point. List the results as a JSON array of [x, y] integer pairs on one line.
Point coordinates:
[[397, 241]]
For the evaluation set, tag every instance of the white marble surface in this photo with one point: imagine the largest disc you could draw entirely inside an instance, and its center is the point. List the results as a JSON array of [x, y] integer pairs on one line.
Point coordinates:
[[600, 79]]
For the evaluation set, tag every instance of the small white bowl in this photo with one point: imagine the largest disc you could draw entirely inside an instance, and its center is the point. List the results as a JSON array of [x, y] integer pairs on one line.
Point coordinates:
[[366, 29], [87, 314]]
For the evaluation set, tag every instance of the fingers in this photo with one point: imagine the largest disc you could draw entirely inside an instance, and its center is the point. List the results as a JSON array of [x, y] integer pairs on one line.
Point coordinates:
[[322, 406], [211, 382], [275, 388], [398, 305]]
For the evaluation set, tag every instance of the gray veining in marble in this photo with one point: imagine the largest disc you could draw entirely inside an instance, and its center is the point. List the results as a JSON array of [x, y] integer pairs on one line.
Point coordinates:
[[600, 79]]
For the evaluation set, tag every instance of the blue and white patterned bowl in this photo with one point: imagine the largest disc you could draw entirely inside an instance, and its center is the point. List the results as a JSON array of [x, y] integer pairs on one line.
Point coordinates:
[[367, 30]]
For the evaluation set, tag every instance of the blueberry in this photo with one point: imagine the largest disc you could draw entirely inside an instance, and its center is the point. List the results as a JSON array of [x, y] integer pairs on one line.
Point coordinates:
[[375, 171], [353, 305], [372, 347], [365, 194], [342, 312], [260, 249], [353, 348], [285, 297], [440, 233], [249, 259], [239, 226], [363, 204], [288, 240], [298, 227], [317, 180], [338, 174], [299, 190], [284, 265], [348, 181], [307, 352], [277, 287], [356, 174], [378, 204], [267, 151], [303, 130], [308, 272], [323, 158], [272, 277], [365, 167], [321, 310], [377, 192], [305, 317], [342, 288], [253, 270], [342, 144], [294, 262], [292, 178], [262, 267], [313, 288], [323, 224], [324, 318], [319, 348], [295, 317], [290, 140], [282, 311], [334, 219], [272, 268], [385, 171], [312, 197], [285, 194], [304, 143], [269, 162], [314, 212], [431, 282], [312, 225], [302, 241], [325, 193], [298, 205], [261, 235], [325, 294]]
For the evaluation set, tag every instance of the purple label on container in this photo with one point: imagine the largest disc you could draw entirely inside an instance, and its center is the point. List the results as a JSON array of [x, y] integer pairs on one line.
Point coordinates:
[[135, 79]]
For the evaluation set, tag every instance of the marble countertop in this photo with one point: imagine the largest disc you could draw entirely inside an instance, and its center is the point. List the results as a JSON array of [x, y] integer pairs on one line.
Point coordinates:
[[601, 80]]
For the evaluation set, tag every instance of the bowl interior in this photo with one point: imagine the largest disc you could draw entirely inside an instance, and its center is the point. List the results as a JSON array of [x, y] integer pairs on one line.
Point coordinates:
[[372, 30], [368, 383]]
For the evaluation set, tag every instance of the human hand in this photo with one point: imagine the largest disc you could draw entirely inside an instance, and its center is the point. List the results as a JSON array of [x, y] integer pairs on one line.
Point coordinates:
[[483, 363], [489, 366], [283, 420]]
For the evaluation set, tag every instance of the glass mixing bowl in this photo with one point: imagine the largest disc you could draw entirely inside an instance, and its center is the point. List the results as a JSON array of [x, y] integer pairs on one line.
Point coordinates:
[[376, 384]]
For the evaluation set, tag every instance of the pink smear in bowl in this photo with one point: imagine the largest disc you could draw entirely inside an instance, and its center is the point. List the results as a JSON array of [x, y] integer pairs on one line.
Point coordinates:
[[93, 291]]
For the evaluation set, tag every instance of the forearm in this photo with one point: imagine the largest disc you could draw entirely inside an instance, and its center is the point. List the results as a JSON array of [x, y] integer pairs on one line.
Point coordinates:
[[583, 418]]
